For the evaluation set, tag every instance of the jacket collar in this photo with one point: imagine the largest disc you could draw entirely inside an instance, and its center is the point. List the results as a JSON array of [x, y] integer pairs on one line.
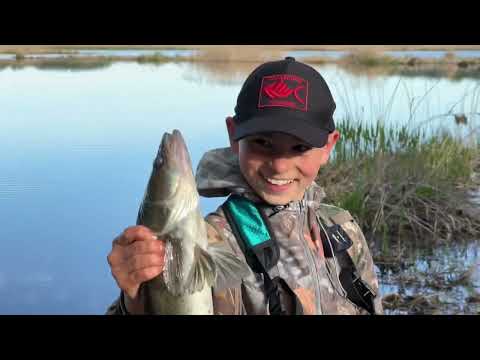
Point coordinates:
[[218, 175]]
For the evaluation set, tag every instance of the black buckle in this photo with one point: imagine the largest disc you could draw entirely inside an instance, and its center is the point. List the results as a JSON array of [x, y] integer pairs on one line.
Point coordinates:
[[267, 254], [339, 240], [362, 288]]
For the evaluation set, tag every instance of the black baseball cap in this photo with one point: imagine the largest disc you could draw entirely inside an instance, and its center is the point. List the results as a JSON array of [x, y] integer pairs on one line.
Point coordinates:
[[285, 96]]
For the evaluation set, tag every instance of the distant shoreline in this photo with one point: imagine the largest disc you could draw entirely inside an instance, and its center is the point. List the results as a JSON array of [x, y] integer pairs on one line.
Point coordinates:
[[47, 48]]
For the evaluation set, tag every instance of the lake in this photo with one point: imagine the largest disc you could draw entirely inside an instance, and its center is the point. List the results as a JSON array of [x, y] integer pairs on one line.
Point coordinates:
[[424, 54], [76, 150]]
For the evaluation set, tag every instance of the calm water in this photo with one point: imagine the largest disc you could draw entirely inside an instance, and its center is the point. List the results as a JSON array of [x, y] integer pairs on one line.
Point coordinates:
[[430, 272], [76, 150]]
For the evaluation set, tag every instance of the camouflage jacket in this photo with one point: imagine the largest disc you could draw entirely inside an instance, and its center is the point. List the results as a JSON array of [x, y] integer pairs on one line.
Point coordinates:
[[313, 277]]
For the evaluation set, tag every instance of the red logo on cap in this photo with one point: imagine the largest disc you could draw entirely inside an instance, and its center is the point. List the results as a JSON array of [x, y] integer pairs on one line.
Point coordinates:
[[284, 90]]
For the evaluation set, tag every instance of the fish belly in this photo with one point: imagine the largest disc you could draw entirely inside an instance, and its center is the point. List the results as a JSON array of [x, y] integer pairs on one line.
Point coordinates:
[[198, 303]]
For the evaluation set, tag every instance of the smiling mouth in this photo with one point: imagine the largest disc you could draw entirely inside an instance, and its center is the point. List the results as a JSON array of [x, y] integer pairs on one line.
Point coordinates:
[[278, 182]]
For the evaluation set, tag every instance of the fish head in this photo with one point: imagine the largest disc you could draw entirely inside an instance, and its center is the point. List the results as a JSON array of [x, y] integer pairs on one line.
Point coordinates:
[[173, 154], [172, 192]]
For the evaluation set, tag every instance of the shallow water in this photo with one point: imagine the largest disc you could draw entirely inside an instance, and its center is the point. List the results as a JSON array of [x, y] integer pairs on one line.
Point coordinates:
[[76, 150], [434, 274]]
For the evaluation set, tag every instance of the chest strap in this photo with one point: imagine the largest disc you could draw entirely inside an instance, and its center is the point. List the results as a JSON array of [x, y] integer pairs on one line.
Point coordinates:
[[336, 239], [251, 228]]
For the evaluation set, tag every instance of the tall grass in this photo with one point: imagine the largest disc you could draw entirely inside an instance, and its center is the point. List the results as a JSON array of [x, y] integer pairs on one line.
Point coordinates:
[[73, 63], [156, 58], [401, 180], [397, 181], [368, 58]]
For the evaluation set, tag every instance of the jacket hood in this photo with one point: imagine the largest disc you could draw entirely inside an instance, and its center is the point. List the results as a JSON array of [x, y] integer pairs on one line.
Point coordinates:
[[218, 175]]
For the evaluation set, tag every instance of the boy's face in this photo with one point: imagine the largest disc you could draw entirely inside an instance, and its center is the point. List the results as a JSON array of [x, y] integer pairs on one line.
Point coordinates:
[[279, 167]]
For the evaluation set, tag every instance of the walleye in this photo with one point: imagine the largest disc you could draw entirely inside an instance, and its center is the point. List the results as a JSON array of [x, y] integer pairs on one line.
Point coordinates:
[[170, 208]]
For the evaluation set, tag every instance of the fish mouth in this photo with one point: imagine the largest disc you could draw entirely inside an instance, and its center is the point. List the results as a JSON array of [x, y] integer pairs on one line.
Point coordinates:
[[161, 158], [165, 141], [173, 152]]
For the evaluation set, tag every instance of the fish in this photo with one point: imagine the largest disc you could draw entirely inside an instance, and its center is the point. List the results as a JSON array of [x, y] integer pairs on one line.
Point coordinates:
[[171, 209]]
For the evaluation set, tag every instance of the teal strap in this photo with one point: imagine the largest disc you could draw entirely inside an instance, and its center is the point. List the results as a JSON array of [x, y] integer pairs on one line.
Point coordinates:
[[249, 221]]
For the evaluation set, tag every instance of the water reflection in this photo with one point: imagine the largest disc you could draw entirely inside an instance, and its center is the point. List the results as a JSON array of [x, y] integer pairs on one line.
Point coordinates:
[[219, 72], [228, 65], [442, 280], [7, 56]]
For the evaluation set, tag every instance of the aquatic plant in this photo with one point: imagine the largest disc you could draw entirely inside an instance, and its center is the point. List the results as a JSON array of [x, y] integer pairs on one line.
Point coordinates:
[[368, 58], [405, 180], [73, 64], [155, 59]]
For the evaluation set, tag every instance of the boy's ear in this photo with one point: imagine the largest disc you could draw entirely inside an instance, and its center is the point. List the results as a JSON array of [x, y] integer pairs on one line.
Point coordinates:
[[332, 140], [231, 132]]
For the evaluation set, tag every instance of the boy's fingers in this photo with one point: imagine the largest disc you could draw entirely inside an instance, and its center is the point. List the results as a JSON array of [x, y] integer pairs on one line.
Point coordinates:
[[136, 256], [145, 247], [146, 274], [140, 262], [135, 233], [116, 255]]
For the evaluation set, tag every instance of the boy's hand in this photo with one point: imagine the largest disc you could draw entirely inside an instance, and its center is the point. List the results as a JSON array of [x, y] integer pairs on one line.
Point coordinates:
[[136, 257]]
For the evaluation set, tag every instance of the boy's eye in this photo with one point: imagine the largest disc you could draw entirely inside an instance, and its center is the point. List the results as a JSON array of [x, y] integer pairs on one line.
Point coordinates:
[[301, 148], [263, 143]]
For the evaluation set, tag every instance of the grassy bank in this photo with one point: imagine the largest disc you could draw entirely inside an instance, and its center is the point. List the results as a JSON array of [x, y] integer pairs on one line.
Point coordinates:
[[398, 182], [369, 60], [65, 63], [374, 63]]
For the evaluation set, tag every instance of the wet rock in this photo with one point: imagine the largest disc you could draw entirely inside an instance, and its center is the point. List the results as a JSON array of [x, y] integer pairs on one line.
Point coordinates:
[[412, 304], [421, 304], [392, 301]]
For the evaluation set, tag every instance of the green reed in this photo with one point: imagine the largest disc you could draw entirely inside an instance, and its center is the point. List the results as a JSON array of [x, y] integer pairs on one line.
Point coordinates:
[[401, 180], [369, 58]]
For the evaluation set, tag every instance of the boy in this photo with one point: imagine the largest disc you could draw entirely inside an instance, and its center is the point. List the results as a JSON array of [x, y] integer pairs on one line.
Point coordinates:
[[319, 263]]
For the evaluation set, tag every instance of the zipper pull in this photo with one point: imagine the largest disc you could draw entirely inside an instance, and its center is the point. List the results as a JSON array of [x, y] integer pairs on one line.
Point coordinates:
[[278, 208]]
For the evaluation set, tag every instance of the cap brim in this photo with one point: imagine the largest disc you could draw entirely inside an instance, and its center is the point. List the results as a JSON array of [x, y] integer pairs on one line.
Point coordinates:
[[290, 125]]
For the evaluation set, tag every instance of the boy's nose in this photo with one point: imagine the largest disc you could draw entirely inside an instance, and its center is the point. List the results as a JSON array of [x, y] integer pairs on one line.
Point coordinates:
[[280, 165]]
